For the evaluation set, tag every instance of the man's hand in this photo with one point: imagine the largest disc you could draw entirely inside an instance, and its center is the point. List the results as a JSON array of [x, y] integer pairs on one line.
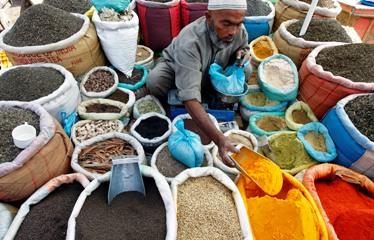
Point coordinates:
[[224, 147], [242, 56]]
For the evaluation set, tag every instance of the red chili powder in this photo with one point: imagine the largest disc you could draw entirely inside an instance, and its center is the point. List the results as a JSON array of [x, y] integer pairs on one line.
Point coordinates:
[[349, 209]]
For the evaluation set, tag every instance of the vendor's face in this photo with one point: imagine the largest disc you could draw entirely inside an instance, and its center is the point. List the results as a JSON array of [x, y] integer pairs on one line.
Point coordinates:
[[226, 23]]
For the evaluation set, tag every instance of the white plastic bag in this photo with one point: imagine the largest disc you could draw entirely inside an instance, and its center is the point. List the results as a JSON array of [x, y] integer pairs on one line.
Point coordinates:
[[119, 41], [162, 185], [131, 140]]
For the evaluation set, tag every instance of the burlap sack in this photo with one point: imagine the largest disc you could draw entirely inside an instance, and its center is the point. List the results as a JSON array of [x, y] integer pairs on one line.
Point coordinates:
[[78, 53], [47, 157]]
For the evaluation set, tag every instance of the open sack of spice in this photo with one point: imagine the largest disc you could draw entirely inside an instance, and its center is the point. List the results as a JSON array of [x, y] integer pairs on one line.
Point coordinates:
[[117, 27], [267, 123], [209, 206], [47, 156], [350, 127], [46, 84], [288, 152], [291, 201], [102, 109], [44, 33], [317, 142], [262, 48], [45, 214], [130, 215], [73, 6], [229, 81], [278, 78], [299, 114], [164, 162], [151, 130], [332, 72], [185, 146], [345, 199], [93, 157], [255, 101], [135, 82], [99, 82], [147, 104]]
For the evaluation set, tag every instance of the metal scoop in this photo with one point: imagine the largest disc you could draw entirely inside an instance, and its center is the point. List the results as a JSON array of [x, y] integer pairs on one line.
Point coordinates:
[[261, 170], [125, 177]]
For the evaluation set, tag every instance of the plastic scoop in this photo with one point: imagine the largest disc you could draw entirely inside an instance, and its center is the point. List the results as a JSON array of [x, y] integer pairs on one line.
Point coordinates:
[[125, 177], [261, 170]]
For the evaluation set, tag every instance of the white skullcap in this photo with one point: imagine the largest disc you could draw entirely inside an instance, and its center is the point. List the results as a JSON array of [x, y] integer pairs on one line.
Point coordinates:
[[227, 4]]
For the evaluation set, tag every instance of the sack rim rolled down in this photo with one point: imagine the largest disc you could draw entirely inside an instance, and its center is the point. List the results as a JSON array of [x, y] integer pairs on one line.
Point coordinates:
[[259, 19], [82, 110], [323, 11]]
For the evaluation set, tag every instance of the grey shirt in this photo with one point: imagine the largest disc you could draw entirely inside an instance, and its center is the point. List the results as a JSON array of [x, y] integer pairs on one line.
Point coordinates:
[[193, 51]]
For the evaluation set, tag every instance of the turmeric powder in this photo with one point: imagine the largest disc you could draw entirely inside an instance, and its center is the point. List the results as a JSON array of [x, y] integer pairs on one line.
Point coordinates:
[[291, 218], [262, 49]]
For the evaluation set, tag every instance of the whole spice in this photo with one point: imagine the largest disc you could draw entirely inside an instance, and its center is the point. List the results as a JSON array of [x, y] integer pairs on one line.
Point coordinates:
[[98, 156], [168, 166], [317, 141], [321, 3], [120, 96], [94, 128], [152, 127], [349, 208], [102, 108], [42, 24], [49, 218], [321, 30], [352, 61], [278, 73], [141, 54], [110, 15], [74, 6], [9, 119], [257, 8], [99, 81], [291, 217], [206, 210], [137, 75], [129, 216], [301, 117], [272, 123], [147, 106], [190, 124], [29, 83], [262, 49], [361, 113]]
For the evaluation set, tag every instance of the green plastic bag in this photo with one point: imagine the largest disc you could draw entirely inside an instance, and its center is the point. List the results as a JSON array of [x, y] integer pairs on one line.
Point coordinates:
[[118, 5]]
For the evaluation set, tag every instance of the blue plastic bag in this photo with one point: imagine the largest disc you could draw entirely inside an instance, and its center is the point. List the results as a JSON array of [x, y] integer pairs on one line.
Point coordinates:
[[317, 127], [118, 5], [69, 121], [229, 81], [186, 147]]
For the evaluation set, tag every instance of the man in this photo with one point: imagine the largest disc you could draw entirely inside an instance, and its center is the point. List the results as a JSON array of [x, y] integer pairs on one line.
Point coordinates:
[[217, 37]]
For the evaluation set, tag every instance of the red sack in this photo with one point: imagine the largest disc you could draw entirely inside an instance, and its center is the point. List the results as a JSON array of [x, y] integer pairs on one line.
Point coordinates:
[[192, 11]]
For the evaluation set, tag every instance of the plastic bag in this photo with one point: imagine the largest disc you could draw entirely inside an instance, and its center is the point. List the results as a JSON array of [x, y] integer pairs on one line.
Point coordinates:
[[229, 81], [186, 147], [119, 5], [68, 121]]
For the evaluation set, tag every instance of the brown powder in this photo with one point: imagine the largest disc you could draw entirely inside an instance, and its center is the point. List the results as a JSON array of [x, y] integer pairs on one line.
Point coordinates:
[[301, 117], [272, 123], [102, 108], [317, 141]]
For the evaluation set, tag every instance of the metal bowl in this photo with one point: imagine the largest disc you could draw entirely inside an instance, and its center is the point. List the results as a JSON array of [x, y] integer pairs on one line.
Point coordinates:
[[232, 98]]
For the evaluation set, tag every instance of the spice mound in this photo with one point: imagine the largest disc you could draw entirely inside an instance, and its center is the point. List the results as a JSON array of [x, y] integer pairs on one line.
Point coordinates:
[[42, 24], [259, 99], [99, 81], [206, 210], [262, 49], [95, 128], [300, 116], [321, 3], [9, 119], [169, 166], [257, 8], [361, 113], [74, 6], [152, 127], [137, 75], [190, 124], [98, 157], [317, 141], [110, 15], [120, 96], [278, 73], [292, 218], [102, 108], [240, 139], [141, 54], [352, 61], [321, 30], [29, 83], [129, 216], [272, 123], [48, 219], [147, 106]]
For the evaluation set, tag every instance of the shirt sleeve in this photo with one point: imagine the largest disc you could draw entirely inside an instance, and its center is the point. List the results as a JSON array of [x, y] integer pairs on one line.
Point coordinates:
[[188, 74]]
